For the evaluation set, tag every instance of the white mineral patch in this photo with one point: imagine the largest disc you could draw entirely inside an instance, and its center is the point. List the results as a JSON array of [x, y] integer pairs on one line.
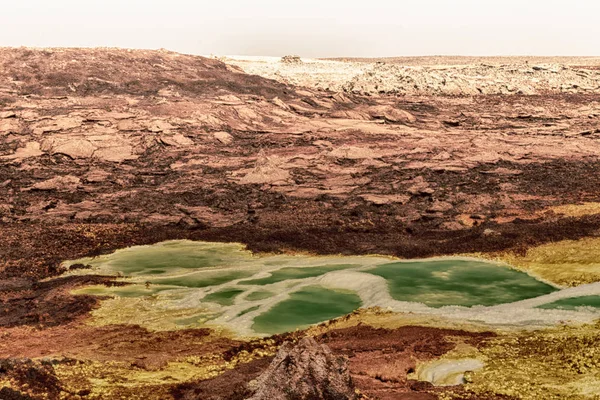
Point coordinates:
[[448, 372]]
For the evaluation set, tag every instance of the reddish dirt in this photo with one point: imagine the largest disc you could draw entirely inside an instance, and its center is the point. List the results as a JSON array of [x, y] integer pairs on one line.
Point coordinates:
[[110, 343], [48, 303], [231, 385], [380, 360]]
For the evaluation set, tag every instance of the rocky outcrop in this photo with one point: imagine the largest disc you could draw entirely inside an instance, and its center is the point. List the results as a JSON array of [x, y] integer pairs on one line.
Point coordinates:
[[291, 59], [305, 371]]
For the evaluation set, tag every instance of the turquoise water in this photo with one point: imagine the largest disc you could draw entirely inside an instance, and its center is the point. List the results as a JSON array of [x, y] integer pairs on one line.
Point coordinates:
[[194, 283], [224, 297], [259, 295], [162, 258], [458, 282], [306, 307]]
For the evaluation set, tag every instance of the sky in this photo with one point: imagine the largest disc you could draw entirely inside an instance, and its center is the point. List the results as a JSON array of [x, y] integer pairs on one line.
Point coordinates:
[[309, 28]]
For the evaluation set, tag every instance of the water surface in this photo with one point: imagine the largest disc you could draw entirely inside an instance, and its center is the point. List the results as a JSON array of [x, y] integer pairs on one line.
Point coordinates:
[[190, 284]]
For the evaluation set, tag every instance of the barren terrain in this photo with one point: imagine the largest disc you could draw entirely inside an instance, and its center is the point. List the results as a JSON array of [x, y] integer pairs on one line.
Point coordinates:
[[105, 148]]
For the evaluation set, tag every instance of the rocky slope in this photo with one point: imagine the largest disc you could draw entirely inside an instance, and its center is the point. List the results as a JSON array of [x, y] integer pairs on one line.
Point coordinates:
[[106, 148], [305, 371]]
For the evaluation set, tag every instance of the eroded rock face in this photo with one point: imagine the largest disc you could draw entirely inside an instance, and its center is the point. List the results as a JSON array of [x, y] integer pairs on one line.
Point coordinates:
[[305, 371]]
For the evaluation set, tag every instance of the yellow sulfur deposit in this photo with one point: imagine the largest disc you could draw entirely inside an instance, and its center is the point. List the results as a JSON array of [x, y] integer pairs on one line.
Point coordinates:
[[565, 263], [559, 363]]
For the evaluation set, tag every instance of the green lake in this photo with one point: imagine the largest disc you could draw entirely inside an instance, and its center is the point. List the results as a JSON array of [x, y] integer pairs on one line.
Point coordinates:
[[186, 282]]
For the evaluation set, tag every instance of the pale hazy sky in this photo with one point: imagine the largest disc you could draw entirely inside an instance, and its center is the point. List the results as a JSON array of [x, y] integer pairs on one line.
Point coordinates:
[[310, 28]]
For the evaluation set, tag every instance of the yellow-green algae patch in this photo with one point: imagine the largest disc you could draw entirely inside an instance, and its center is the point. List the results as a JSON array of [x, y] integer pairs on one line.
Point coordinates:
[[566, 263], [151, 313]]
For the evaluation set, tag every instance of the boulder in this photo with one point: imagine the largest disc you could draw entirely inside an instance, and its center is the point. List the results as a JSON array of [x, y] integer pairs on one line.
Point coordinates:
[[7, 114], [74, 148], [440, 206], [305, 371], [392, 114], [291, 59], [223, 137], [177, 140]]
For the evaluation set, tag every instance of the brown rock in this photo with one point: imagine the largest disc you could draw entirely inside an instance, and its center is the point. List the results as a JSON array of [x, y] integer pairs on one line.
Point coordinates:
[[440, 206], [31, 149], [210, 217], [223, 137], [116, 153], [305, 371], [160, 126], [279, 103], [354, 152], [11, 125], [65, 183], [381, 199], [151, 363], [421, 189], [129, 125], [57, 124], [302, 110], [392, 114], [452, 226], [108, 116], [75, 148], [7, 114], [177, 140], [267, 170]]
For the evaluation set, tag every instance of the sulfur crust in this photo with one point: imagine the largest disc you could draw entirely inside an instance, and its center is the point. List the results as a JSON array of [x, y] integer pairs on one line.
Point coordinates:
[[567, 263]]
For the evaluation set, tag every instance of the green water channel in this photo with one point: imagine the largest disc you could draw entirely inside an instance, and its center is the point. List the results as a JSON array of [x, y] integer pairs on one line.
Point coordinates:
[[198, 281], [305, 307], [573, 303]]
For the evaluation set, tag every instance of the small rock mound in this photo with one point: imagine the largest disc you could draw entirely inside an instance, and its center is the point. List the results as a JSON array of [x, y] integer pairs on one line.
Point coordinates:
[[291, 60], [35, 377], [305, 371]]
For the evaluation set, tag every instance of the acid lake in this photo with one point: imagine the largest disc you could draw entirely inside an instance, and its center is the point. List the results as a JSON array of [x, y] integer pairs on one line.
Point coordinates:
[[222, 285]]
